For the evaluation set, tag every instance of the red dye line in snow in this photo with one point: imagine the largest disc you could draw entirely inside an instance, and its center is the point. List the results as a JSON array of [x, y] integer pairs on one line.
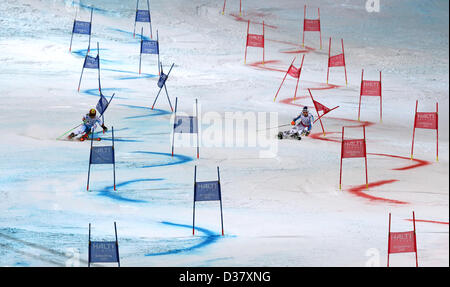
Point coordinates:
[[264, 66], [428, 221], [242, 19], [358, 190], [418, 162]]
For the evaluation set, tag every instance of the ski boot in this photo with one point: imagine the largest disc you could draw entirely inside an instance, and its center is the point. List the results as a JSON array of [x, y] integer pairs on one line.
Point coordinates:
[[71, 136], [296, 136], [84, 137]]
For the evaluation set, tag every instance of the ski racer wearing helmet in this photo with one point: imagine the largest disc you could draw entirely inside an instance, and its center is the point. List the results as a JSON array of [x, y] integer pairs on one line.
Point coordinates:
[[90, 122], [304, 125]]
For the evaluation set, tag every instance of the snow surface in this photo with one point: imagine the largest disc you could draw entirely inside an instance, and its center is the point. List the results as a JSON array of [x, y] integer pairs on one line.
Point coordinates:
[[285, 210]]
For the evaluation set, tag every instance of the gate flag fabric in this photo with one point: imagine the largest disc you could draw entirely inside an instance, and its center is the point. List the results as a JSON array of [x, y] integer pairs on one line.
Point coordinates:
[[91, 63], [207, 191], [149, 47], [311, 25], [336, 61], [293, 72], [402, 242], [353, 148], [426, 120], [143, 16], [103, 251], [82, 28], [102, 155], [255, 40], [320, 107], [187, 125], [371, 89]]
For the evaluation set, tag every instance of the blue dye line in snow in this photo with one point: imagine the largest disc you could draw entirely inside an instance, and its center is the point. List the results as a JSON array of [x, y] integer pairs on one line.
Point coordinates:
[[82, 53], [109, 191], [141, 76], [209, 238], [176, 159], [96, 93], [157, 112], [138, 36]]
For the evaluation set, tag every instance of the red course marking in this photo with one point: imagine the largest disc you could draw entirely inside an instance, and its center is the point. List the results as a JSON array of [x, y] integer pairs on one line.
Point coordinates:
[[428, 221], [260, 65], [418, 162], [242, 19], [358, 190]]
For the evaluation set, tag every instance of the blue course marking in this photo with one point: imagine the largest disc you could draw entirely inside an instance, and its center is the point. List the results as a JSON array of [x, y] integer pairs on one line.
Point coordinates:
[[82, 53], [176, 159], [141, 76], [109, 191], [96, 93], [209, 238], [138, 36], [157, 113]]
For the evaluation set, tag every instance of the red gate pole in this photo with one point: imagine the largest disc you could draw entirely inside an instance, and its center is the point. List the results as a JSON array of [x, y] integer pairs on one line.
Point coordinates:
[[365, 156], [223, 10], [414, 130], [345, 68], [342, 152], [304, 20], [381, 102], [298, 78], [240, 8], [320, 29], [264, 45], [389, 240], [246, 43], [415, 239], [276, 95], [329, 51], [437, 131], [360, 93]]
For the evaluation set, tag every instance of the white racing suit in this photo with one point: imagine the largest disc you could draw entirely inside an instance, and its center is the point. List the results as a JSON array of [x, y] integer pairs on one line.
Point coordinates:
[[304, 125], [89, 124]]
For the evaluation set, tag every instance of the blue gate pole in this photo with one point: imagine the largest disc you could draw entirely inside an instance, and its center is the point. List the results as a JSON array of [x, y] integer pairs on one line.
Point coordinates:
[[140, 53], [90, 30], [174, 124], [137, 8], [90, 160], [195, 191], [150, 20], [220, 194], [114, 158], [117, 244], [196, 117], [98, 56], [89, 247], [159, 62], [73, 28]]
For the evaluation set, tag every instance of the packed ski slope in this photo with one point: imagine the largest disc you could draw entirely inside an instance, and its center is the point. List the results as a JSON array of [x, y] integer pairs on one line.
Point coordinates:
[[281, 208]]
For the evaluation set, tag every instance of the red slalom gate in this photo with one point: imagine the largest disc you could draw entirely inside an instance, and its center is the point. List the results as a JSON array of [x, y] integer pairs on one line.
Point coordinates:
[[319, 107], [353, 148], [294, 73], [402, 242], [426, 121], [371, 89], [311, 25], [254, 40], [240, 7], [336, 60]]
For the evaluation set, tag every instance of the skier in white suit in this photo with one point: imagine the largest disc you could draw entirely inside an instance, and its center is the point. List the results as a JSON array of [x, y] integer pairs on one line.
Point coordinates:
[[304, 126], [90, 122]]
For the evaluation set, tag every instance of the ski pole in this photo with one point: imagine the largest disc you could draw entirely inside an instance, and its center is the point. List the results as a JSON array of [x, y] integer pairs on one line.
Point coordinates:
[[274, 127], [68, 132]]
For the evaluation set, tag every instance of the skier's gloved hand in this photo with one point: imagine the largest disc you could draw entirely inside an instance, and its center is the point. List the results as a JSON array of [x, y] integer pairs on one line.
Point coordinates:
[[293, 123], [105, 129]]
